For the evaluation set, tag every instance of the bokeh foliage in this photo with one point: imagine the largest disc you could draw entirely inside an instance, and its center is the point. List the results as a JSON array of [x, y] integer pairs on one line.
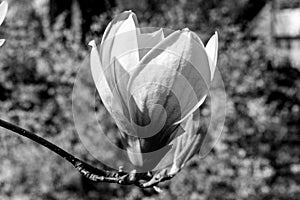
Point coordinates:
[[257, 156]]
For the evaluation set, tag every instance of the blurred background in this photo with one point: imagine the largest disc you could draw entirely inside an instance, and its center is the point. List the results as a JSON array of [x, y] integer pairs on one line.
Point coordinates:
[[257, 156]]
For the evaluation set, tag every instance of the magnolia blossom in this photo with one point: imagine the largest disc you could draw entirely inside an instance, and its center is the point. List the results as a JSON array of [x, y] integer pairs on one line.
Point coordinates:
[[3, 11], [152, 84]]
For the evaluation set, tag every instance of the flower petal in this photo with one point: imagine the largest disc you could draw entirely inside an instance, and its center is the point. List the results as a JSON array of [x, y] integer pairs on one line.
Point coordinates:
[[148, 40], [189, 143], [120, 79], [148, 153], [212, 53], [110, 100], [133, 149], [120, 38], [175, 74], [3, 11], [99, 78], [2, 42]]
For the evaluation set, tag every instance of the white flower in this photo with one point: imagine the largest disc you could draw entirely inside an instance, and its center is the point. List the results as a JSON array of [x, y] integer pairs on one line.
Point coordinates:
[[3, 12], [152, 84]]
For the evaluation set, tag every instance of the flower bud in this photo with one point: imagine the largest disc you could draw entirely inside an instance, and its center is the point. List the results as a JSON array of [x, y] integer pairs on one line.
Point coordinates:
[[152, 84]]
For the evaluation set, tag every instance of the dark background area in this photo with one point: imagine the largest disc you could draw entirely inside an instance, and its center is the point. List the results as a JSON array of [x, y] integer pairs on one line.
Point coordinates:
[[257, 156]]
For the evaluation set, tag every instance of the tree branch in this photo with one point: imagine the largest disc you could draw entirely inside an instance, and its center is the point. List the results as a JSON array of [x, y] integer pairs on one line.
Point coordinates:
[[142, 180], [84, 168]]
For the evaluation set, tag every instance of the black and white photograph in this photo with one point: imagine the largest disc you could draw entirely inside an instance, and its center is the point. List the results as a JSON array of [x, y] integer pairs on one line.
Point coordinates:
[[149, 100]]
